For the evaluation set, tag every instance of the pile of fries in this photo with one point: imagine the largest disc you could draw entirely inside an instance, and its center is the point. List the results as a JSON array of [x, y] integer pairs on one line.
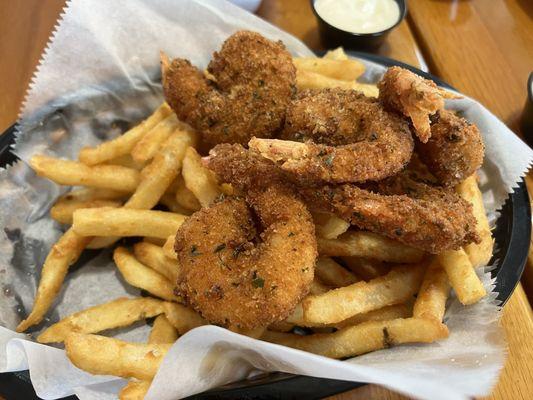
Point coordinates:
[[369, 292]]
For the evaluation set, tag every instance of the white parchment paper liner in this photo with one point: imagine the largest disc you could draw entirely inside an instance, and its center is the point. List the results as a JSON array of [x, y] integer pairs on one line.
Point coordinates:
[[99, 75]]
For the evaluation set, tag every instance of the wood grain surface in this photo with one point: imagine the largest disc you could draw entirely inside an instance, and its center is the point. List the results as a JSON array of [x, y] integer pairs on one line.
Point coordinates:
[[24, 30], [484, 51]]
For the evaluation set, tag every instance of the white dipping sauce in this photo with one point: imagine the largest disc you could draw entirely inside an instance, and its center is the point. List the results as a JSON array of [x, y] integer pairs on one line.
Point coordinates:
[[359, 16]]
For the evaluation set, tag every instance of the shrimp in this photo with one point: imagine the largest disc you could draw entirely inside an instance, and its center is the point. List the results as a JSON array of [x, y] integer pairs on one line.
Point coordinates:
[[246, 263], [347, 138], [413, 96], [433, 219], [454, 151], [243, 168], [254, 80], [402, 207]]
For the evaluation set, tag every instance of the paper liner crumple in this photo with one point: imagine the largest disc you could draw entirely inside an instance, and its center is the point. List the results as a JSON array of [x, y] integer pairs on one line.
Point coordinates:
[[100, 75]]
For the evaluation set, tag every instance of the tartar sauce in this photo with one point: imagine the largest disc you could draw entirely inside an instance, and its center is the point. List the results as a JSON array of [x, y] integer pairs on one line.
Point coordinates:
[[359, 16]]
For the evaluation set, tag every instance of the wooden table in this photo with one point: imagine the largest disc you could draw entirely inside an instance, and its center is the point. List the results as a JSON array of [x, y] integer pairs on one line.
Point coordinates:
[[484, 49]]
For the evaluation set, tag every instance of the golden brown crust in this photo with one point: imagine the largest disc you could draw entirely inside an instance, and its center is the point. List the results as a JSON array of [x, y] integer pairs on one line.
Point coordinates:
[[254, 82], [246, 264], [433, 219], [348, 138], [454, 151], [243, 168], [402, 207]]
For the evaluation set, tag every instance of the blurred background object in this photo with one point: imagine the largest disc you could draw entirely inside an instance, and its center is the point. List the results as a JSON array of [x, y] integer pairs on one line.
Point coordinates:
[[526, 122], [250, 5]]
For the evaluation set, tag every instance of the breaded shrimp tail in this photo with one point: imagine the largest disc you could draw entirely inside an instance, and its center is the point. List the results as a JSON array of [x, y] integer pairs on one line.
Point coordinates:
[[417, 98], [253, 82]]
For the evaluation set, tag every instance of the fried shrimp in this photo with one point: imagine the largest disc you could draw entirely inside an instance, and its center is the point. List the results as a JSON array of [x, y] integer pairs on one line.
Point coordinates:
[[429, 218], [347, 138], [454, 151], [413, 96], [243, 168], [247, 263], [254, 80], [403, 208]]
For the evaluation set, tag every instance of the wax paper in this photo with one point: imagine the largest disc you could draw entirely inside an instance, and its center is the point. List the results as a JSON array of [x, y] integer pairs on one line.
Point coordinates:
[[100, 75]]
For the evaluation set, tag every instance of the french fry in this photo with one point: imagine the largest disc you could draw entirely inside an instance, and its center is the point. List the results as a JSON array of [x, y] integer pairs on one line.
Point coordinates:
[[347, 70], [462, 276], [123, 144], [336, 54], [312, 80], [198, 179], [255, 333], [174, 185], [329, 226], [73, 173], [182, 318], [101, 242], [125, 222], [185, 197], [169, 201], [63, 209], [382, 314], [134, 390], [63, 254], [368, 245], [333, 274], [142, 277], [154, 257], [100, 355], [228, 189], [168, 248], [318, 287], [163, 331], [90, 194], [126, 160], [149, 144], [297, 317], [431, 299], [114, 314], [157, 241], [396, 287], [161, 172], [366, 268], [363, 338], [479, 254]]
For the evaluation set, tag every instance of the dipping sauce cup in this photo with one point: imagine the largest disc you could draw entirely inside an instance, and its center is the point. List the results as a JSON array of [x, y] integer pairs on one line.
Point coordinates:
[[334, 17]]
